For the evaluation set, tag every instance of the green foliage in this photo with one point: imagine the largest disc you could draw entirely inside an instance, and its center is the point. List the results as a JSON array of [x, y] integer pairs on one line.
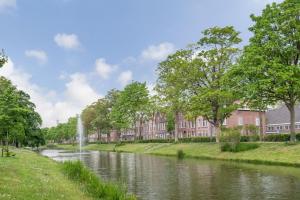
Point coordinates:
[[91, 183], [277, 137], [62, 132], [269, 68], [197, 139], [19, 122], [230, 139], [132, 105], [180, 154], [227, 147], [3, 58]]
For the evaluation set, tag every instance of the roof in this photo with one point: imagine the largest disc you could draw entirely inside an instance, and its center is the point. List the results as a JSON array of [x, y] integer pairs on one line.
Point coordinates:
[[281, 115]]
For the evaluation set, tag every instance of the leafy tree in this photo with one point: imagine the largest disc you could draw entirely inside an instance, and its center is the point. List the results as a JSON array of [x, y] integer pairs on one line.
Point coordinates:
[[170, 85], [87, 116], [18, 119], [270, 63], [3, 58], [132, 106], [211, 58]]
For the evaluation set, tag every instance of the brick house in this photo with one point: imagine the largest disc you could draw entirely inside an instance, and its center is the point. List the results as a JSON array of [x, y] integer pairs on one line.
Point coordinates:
[[156, 126]]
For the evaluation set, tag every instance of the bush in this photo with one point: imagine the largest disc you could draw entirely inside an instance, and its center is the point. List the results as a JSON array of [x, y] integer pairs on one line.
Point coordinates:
[[277, 138], [250, 138], [92, 185], [180, 154], [197, 139], [230, 139]]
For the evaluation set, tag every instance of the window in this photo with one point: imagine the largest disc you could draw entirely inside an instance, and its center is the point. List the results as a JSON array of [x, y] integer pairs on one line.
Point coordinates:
[[257, 121], [241, 121], [225, 122], [204, 123]]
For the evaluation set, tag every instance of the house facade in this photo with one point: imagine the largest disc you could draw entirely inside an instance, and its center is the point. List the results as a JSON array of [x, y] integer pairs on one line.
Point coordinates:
[[156, 126], [278, 120]]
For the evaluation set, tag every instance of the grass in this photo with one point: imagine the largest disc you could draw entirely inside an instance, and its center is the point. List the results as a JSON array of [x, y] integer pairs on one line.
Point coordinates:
[[278, 153], [90, 183], [30, 176]]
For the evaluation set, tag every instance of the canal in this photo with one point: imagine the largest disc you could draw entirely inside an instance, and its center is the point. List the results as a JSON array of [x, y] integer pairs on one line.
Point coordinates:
[[167, 178]]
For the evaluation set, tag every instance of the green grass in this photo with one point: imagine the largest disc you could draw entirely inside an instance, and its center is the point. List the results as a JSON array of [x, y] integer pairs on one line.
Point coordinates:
[[91, 184], [30, 176], [278, 153]]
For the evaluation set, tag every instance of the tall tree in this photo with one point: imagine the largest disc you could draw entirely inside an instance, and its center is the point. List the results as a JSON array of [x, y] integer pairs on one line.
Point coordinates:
[[170, 85], [212, 56], [270, 63], [132, 107]]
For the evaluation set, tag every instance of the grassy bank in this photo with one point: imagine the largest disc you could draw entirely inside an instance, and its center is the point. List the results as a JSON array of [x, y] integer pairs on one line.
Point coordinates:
[[30, 176], [267, 153]]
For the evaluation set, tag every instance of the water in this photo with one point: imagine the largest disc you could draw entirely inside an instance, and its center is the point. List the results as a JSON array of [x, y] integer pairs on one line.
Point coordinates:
[[165, 178], [80, 133]]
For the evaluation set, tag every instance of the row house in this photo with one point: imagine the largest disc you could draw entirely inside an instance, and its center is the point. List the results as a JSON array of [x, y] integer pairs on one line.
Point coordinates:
[[156, 126], [278, 120]]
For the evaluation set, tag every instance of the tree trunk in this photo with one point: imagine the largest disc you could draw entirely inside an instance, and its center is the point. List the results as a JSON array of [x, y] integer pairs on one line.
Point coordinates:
[[140, 128], [176, 126], [99, 135], [218, 131], [261, 126], [292, 120]]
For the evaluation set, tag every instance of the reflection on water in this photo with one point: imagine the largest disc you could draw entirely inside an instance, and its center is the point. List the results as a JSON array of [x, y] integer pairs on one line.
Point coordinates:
[[164, 178]]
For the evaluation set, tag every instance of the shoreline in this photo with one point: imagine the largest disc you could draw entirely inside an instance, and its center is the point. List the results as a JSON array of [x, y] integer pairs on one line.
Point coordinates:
[[277, 154], [30, 175]]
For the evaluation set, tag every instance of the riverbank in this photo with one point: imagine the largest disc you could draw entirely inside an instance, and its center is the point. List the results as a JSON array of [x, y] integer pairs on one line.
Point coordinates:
[[29, 175], [267, 153]]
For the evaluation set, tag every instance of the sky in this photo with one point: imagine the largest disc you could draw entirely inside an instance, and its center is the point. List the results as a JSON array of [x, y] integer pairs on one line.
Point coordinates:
[[68, 53]]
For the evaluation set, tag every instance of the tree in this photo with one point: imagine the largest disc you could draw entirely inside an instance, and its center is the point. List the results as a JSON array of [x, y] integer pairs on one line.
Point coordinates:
[[87, 116], [212, 56], [270, 63], [3, 58], [170, 84], [131, 107], [18, 119]]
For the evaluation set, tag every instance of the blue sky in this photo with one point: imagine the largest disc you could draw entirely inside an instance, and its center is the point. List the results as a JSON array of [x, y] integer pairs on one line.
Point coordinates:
[[68, 53]]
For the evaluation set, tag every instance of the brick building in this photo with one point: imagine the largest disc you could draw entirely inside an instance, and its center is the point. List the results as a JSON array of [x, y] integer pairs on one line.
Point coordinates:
[[156, 126]]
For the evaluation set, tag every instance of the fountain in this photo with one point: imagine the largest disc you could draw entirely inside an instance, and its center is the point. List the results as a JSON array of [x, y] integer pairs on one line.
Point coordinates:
[[80, 136]]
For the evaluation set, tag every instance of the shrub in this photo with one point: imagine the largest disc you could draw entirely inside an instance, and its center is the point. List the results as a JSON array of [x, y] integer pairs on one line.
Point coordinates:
[[92, 185], [277, 137], [230, 139], [180, 154]]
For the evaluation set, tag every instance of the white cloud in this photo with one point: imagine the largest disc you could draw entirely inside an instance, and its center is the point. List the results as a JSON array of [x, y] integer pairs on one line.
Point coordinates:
[[67, 41], [51, 106], [104, 69], [158, 52], [7, 5], [39, 55], [125, 77]]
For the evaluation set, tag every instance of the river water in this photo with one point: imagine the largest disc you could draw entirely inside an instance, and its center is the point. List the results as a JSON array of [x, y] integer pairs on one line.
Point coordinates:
[[166, 178]]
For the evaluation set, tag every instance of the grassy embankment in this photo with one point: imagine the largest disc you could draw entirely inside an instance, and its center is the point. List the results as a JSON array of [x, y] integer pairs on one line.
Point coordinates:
[[278, 153], [30, 176]]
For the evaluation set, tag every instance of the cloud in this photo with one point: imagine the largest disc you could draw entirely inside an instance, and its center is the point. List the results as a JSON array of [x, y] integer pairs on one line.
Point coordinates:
[[125, 77], [7, 5], [53, 107], [67, 41], [104, 69], [39, 55], [158, 52]]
